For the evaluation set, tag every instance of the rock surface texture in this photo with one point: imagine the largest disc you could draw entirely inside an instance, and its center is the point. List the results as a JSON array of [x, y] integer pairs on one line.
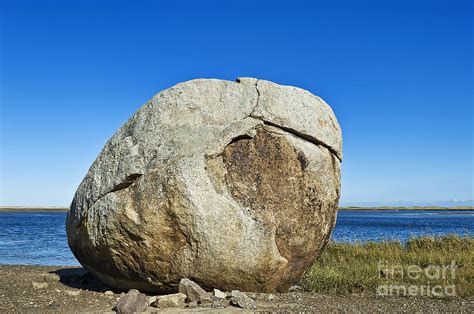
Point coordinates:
[[232, 184]]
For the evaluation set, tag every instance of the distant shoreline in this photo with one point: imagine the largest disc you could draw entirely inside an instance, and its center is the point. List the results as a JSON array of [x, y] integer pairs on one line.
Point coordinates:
[[381, 208], [32, 209]]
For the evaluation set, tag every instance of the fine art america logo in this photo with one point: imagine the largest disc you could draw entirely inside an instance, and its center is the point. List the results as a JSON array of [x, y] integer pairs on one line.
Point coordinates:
[[431, 273]]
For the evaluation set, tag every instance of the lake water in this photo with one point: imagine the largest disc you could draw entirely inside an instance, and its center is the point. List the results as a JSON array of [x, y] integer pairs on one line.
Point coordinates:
[[39, 238]]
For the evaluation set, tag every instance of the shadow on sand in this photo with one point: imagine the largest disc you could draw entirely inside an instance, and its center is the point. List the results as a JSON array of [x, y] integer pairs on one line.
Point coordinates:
[[80, 278]]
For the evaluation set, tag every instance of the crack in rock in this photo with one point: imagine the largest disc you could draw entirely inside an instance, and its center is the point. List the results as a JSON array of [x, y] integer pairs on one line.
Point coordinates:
[[303, 136], [126, 183]]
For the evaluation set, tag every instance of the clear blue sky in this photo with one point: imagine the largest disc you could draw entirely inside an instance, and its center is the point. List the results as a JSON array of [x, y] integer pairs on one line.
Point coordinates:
[[398, 74]]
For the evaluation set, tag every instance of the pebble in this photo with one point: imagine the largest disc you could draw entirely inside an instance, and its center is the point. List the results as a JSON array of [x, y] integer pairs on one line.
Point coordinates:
[[242, 300], [73, 293], [108, 292], [39, 285], [295, 288], [219, 294], [51, 277], [170, 300]]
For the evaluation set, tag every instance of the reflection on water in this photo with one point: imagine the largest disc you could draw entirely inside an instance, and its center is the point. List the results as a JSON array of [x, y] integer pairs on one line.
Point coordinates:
[[40, 238]]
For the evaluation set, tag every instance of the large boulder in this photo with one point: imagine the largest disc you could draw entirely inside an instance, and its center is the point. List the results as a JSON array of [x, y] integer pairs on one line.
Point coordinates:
[[232, 184]]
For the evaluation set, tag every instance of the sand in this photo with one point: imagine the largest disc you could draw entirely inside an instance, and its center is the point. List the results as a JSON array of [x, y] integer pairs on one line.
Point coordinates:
[[71, 289]]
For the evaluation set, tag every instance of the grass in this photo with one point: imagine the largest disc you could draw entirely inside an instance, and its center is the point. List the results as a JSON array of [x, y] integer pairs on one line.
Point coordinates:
[[392, 266]]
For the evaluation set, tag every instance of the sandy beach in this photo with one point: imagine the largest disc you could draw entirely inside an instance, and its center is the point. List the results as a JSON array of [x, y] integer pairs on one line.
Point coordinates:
[[69, 289]]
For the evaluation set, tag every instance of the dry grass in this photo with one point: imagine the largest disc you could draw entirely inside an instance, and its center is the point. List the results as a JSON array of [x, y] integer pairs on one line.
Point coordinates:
[[354, 268]]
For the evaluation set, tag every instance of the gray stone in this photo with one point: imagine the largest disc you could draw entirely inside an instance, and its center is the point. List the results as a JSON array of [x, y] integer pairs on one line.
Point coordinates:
[[74, 293], [170, 300], [108, 292], [193, 291], [243, 301], [233, 184], [218, 303], [219, 294], [132, 302]]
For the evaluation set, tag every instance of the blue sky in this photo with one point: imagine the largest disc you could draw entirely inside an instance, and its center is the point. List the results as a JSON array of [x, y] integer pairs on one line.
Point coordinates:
[[398, 74]]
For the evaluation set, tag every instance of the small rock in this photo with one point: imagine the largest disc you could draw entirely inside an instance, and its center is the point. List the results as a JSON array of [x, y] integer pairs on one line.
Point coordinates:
[[51, 277], [39, 285], [270, 297], [193, 291], [170, 300], [243, 301], [295, 288], [219, 294], [132, 302], [235, 293], [219, 303], [73, 293], [108, 292], [192, 304], [251, 295]]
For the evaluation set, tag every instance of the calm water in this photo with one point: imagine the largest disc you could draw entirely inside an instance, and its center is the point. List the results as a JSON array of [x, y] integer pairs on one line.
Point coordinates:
[[40, 238]]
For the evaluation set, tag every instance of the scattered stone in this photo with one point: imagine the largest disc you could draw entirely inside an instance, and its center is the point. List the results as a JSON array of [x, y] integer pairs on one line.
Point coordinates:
[[51, 277], [219, 303], [249, 151], [219, 294], [193, 291], [270, 297], [192, 304], [295, 288], [39, 285], [73, 293], [252, 295], [170, 300], [234, 293], [132, 302], [243, 301], [108, 292]]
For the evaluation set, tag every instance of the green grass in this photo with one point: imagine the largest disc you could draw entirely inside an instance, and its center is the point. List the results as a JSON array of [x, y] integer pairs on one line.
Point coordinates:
[[357, 268]]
